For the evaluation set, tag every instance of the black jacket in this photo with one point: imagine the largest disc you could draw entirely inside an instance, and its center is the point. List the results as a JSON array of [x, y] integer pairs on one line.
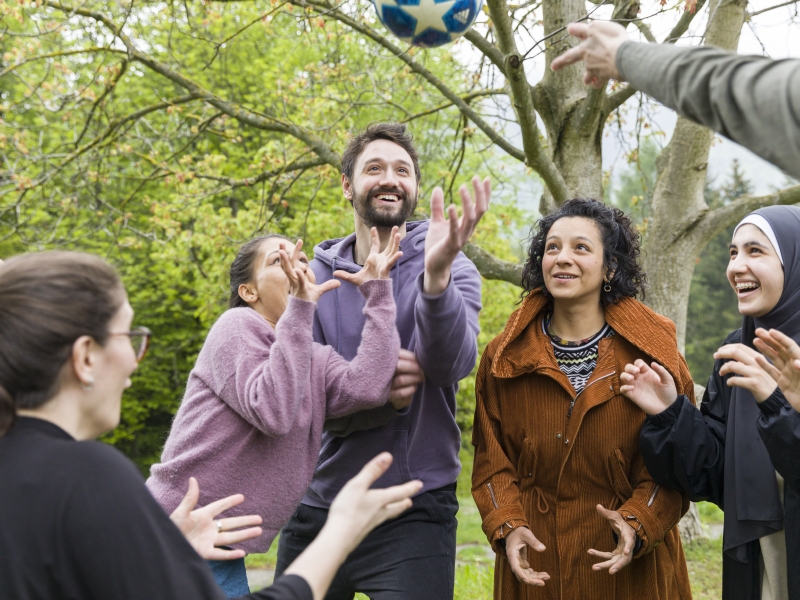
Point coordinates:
[[76, 521], [684, 449]]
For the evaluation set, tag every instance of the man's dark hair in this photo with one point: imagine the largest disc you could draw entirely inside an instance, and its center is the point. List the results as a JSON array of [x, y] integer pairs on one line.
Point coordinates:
[[394, 132], [621, 248]]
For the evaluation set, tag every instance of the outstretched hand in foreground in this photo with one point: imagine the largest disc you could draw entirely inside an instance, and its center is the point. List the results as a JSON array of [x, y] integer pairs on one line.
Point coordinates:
[[355, 512], [378, 263], [784, 353], [301, 278], [447, 237], [622, 555], [598, 51], [651, 388], [518, 543], [205, 533]]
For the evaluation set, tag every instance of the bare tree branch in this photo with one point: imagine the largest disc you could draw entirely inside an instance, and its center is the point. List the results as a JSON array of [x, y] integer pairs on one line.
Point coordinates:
[[249, 181], [15, 66], [683, 23], [465, 98], [491, 267], [488, 49], [536, 155], [715, 221], [763, 10], [236, 111], [617, 99], [323, 8]]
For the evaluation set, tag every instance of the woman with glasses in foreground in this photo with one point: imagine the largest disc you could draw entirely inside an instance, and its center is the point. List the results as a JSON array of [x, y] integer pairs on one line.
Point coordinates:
[[76, 520]]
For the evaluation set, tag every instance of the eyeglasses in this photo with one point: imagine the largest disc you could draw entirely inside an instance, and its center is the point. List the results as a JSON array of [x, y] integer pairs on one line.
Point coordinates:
[[140, 340]]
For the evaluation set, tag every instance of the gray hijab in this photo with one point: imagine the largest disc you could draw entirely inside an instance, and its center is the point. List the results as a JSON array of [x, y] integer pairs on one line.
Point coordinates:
[[751, 498]]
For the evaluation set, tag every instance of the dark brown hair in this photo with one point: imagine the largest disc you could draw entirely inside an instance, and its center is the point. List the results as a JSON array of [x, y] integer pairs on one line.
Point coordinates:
[[621, 248], [47, 301], [243, 266], [394, 132]]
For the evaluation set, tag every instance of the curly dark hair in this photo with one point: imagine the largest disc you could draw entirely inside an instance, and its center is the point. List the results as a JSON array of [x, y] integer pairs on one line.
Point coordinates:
[[621, 243]]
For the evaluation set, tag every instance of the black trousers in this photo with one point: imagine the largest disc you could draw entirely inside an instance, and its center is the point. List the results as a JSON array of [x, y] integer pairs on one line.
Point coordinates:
[[410, 557]]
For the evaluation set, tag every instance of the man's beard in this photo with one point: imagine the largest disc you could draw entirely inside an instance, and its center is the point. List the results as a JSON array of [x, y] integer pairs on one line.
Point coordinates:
[[384, 219]]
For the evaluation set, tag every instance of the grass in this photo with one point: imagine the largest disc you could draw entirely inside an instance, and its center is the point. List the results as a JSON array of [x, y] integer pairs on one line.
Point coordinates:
[[475, 561]]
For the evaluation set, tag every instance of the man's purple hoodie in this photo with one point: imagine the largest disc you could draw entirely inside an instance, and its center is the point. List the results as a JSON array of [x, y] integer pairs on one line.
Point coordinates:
[[441, 330]]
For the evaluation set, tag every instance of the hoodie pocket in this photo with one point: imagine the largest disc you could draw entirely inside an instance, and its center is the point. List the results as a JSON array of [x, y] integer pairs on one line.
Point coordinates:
[[617, 468], [342, 458]]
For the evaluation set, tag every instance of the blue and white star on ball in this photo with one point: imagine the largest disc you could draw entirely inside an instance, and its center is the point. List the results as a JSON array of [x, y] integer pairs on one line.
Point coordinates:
[[428, 23]]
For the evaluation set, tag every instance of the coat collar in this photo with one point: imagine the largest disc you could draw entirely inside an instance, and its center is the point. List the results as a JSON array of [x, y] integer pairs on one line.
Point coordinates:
[[647, 330]]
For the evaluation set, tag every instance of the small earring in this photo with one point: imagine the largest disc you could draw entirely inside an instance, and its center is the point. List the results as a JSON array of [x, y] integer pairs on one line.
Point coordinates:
[[607, 287], [88, 385]]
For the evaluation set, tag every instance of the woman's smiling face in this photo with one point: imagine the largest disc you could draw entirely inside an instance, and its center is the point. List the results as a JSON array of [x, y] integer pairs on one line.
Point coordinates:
[[573, 265], [755, 272]]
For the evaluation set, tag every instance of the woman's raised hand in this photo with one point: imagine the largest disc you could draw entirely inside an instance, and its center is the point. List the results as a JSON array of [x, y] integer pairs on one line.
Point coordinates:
[[742, 362], [517, 544], [785, 356], [301, 285], [378, 263], [205, 533], [651, 389], [621, 556]]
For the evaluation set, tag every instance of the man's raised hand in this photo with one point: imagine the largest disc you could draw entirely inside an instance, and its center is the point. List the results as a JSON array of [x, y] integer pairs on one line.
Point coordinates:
[[300, 283], [378, 264], [598, 51], [447, 237]]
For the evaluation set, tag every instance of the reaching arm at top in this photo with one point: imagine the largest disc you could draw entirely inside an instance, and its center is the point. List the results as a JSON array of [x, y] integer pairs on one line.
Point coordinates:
[[754, 101]]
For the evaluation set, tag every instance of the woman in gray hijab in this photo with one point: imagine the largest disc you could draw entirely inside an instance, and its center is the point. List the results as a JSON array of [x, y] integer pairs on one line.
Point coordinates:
[[737, 450]]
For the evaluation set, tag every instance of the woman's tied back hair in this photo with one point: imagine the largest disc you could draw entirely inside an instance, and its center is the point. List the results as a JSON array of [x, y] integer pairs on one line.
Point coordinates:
[[621, 249], [47, 301], [244, 265]]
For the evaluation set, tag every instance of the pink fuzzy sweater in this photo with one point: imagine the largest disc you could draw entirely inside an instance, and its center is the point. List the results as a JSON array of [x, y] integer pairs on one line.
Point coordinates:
[[252, 415]]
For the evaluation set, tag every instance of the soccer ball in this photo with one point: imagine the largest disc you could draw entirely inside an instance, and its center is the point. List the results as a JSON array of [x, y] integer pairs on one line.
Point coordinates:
[[428, 23]]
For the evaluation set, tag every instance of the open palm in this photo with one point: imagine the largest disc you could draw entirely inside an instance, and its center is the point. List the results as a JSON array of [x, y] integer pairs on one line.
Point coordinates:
[[447, 237], [300, 285], [651, 388], [378, 264]]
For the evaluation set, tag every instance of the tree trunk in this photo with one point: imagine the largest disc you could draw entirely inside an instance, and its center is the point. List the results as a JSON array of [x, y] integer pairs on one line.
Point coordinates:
[[673, 239]]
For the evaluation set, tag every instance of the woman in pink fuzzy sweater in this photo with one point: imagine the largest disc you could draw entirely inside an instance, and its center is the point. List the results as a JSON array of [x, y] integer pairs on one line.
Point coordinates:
[[252, 416]]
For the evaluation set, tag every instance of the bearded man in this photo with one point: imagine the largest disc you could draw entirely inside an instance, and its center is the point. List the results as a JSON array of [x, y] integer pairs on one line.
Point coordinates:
[[438, 294]]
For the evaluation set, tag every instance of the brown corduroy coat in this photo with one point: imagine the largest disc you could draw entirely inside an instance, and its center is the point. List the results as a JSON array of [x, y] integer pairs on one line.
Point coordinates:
[[538, 467]]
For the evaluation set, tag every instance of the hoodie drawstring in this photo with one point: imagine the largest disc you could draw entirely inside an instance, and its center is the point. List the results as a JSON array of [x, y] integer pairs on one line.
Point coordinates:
[[336, 304]]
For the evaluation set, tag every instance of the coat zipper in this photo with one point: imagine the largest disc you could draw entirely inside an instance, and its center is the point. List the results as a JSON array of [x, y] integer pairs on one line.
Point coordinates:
[[575, 399], [653, 497], [494, 501]]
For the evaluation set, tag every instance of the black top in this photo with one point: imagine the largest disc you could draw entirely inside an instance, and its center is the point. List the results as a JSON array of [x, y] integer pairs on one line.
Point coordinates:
[[77, 522], [687, 449]]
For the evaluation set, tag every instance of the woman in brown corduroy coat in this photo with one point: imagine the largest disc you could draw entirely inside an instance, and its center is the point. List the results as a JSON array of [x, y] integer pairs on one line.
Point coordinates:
[[566, 501]]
